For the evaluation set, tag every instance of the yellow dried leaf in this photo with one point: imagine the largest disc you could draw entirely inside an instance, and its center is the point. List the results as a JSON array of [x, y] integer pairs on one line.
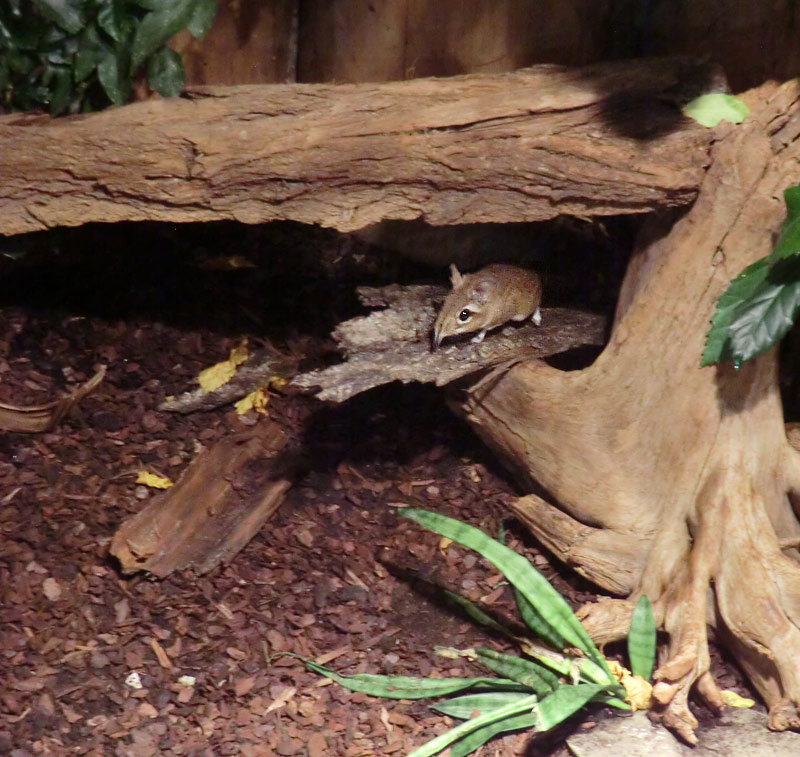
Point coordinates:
[[277, 382], [226, 263], [215, 376], [152, 480], [256, 400], [638, 692], [732, 699], [239, 354], [444, 543]]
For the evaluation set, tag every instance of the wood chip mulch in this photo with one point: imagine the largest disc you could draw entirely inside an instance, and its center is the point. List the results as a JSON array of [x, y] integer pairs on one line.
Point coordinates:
[[96, 663]]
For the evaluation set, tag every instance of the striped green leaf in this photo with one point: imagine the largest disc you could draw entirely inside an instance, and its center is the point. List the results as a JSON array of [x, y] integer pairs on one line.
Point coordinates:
[[520, 707], [521, 574], [563, 702], [410, 687], [642, 639], [479, 737], [518, 669], [469, 705]]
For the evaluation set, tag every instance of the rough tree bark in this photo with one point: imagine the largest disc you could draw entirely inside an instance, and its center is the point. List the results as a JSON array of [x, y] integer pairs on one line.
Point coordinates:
[[522, 146], [673, 480]]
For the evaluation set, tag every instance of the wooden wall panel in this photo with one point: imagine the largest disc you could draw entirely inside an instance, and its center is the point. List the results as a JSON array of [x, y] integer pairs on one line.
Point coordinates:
[[368, 40], [250, 42]]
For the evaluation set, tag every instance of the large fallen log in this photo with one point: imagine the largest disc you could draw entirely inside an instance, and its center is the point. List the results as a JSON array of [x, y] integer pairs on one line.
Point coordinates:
[[522, 146]]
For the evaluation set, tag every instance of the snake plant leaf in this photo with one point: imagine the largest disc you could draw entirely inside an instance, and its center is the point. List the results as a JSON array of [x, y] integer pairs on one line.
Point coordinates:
[[642, 639], [521, 574], [411, 687]]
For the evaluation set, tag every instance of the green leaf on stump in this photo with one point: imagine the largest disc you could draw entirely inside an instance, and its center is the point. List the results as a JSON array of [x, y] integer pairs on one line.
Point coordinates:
[[710, 109]]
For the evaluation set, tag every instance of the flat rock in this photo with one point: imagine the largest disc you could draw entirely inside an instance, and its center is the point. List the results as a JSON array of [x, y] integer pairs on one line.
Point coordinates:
[[737, 733]]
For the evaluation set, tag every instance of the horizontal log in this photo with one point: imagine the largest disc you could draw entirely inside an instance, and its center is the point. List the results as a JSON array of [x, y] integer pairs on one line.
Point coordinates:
[[521, 146]]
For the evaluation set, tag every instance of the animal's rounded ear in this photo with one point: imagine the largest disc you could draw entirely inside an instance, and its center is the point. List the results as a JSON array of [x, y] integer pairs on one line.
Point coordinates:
[[481, 292], [456, 279]]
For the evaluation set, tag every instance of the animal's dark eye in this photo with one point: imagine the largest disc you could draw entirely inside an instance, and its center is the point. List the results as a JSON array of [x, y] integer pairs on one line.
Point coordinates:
[[464, 315]]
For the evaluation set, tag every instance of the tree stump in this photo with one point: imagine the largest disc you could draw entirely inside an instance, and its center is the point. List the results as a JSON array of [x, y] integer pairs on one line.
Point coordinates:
[[664, 478]]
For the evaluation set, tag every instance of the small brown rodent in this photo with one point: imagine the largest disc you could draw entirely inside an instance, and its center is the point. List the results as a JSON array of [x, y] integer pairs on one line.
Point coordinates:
[[486, 299]]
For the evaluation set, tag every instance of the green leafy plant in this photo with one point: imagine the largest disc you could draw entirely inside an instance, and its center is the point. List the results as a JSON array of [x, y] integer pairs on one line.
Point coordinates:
[[761, 303], [537, 691], [70, 56]]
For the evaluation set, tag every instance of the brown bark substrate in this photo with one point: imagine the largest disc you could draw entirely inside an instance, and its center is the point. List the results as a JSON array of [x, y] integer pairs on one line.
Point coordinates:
[[523, 146], [671, 478]]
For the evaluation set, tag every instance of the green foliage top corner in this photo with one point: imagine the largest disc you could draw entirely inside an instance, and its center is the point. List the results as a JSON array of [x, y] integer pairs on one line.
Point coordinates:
[[73, 56], [760, 305]]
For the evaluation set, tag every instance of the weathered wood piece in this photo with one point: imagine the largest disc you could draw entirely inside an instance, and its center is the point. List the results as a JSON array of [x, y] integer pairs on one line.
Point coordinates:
[[393, 344], [32, 419], [665, 478], [258, 371], [213, 510], [521, 146]]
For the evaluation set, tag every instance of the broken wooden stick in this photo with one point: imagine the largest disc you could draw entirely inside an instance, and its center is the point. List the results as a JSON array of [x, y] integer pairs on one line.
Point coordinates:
[[393, 344], [214, 509]]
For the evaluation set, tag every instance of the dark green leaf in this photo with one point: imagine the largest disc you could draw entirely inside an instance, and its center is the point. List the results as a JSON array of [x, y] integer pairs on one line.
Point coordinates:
[[409, 687], [766, 316], [111, 18], [468, 705], [788, 243], [157, 27], [153, 5], [90, 52], [60, 90], [521, 574], [202, 18], [165, 72], [66, 13], [761, 303], [19, 62], [749, 281], [642, 639], [479, 737], [108, 74], [518, 669]]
